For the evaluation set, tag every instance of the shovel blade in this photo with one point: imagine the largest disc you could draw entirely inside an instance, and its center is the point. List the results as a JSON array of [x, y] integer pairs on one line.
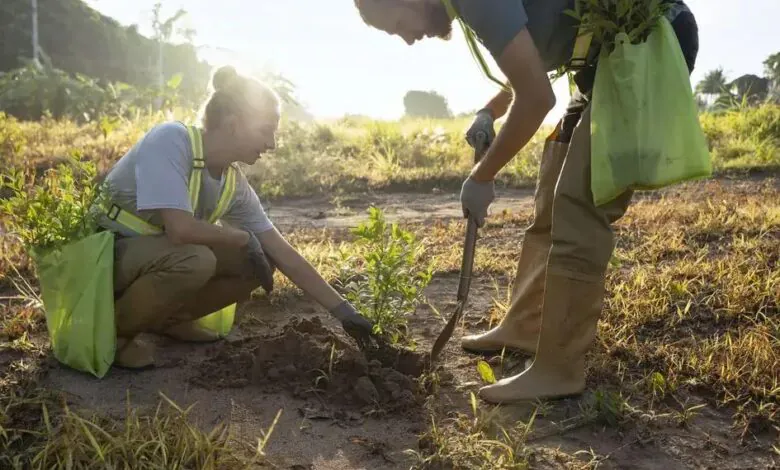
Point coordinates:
[[446, 333]]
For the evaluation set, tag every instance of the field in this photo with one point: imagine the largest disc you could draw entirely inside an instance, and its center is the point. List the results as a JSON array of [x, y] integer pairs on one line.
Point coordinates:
[[684, 372]]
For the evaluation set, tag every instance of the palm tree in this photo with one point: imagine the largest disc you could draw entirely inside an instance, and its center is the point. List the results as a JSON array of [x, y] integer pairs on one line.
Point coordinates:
[[714, 83]]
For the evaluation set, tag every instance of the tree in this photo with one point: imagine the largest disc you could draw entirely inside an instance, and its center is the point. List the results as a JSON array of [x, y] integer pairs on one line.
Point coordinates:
[[163, 32], [772, 71], [750, 88], [772, 68], [426, 104], [714, 83]]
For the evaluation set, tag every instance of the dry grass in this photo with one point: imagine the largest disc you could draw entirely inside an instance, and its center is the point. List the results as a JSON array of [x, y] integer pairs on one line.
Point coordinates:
[[164, 439], [691, 319]]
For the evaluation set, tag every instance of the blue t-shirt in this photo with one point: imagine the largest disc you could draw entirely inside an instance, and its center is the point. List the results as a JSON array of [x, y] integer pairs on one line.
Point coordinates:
[[497, 22]]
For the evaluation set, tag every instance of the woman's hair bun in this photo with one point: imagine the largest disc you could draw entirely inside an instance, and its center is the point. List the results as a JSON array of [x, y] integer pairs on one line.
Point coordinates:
[[224, 77]]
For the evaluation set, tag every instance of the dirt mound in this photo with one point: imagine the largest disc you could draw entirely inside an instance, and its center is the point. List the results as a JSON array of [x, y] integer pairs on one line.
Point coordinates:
[[310, 361]]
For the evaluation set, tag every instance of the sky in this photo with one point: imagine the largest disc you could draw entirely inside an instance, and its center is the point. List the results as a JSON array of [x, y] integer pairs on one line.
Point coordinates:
[[342, 66]]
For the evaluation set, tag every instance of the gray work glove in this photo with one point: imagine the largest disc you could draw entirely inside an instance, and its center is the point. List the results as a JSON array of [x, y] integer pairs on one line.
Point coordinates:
[[353, 323], [262, 267], [483, 122], [475, 198]]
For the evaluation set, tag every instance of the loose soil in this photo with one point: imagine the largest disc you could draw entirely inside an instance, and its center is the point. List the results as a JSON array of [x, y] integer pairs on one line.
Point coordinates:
[[306, 358], [347, 411]]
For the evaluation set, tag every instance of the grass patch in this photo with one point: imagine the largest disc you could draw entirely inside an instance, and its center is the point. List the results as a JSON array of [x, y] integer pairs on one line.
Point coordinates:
[[164, 439]]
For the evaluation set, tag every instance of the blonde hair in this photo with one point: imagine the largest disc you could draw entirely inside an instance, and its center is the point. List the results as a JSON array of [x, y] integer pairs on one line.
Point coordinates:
[[235, 94]]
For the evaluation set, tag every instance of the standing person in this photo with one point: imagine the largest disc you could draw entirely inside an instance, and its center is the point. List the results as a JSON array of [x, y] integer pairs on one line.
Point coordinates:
[[557, 295], [174, 265]]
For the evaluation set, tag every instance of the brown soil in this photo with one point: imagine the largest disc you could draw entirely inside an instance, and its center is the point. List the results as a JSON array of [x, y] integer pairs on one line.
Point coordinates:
[[366, 414], [307, 359]]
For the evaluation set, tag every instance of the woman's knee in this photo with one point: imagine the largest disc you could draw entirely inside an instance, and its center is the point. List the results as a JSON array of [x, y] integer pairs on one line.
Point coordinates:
[[198, 261]]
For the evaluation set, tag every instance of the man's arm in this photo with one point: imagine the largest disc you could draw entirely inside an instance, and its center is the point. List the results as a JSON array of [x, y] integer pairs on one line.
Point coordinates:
[[499, 104], [533, 99]]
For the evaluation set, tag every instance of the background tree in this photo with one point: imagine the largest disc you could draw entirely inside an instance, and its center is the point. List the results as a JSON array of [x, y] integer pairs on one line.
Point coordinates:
[[750, 88], [772, 72], [426, 104]]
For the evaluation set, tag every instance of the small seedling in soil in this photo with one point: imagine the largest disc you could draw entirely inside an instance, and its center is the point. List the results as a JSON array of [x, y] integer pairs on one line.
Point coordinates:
[[382, 278]]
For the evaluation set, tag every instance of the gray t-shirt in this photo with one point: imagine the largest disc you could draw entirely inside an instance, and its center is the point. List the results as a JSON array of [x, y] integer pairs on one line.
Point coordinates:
[[497, 22], [155, 174]]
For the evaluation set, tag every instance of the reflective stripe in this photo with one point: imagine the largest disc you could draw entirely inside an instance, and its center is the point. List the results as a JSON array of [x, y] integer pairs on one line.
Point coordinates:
[[198, 163], [579, 58], [140, 226], [227, 195], [130, 221]]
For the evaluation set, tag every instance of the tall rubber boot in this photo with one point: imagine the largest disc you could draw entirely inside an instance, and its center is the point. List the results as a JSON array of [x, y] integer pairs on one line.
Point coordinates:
[[519, 329], [570, 316], [133, 354]]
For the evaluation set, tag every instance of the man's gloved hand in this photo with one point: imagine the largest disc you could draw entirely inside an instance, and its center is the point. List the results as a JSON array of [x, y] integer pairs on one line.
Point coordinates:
[[483, 122], [353, 323], [262, 267], [475, 198]]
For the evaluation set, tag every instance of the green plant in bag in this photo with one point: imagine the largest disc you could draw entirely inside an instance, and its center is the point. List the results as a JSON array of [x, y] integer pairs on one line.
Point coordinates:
[[605, 19], [53, 218], [645, 131], [49, 212]]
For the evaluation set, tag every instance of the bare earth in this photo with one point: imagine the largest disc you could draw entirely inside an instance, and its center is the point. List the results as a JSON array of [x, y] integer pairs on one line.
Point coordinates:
[[346, 428]]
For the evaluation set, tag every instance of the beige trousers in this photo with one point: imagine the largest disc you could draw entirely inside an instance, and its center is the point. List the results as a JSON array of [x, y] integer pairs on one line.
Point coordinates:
[[158, 284], [569, 235]]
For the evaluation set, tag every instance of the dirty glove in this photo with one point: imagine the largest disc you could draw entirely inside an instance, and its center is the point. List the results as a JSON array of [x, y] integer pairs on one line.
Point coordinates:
[[353, 323], [475, 198], [483, 122], [262, 267]]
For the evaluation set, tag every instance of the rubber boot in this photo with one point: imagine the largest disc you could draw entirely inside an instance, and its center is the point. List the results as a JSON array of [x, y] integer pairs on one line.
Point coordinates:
[[218, 293], [569, 321], [518, 331], [133, 354], [190, 331]]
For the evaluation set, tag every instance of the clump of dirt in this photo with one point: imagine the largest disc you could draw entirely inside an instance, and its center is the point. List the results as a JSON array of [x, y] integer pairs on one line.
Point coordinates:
[[307, 359]]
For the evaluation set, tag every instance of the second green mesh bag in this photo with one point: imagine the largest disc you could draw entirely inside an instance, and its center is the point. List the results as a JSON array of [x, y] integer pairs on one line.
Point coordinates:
[[645, 131]]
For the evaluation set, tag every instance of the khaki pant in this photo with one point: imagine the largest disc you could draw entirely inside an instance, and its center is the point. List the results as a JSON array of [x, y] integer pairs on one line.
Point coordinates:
[[569, 235], [581, 233], [158, 284]]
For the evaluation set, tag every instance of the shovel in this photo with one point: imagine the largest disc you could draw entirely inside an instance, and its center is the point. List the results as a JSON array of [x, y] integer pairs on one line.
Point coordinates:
[[465, 267]]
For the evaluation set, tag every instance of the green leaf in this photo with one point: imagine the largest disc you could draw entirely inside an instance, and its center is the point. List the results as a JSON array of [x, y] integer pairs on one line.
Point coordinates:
[[486, 372]]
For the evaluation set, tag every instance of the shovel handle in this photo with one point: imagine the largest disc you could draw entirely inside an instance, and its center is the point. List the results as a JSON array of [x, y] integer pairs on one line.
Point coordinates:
[[481, 146]]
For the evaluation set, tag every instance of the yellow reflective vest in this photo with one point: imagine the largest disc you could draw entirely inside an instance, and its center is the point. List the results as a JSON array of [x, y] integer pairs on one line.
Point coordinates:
[[139, 226], [220, 321]]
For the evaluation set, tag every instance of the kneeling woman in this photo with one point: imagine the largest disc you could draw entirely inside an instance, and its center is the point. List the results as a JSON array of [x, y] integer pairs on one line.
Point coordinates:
[[174, 265]]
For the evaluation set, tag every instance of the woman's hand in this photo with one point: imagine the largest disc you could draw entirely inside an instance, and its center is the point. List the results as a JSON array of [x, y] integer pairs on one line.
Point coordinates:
[[353, 323], [303, 274]]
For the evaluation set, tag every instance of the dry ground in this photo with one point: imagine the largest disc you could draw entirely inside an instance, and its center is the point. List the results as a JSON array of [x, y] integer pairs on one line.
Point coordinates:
[[684, 374]]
